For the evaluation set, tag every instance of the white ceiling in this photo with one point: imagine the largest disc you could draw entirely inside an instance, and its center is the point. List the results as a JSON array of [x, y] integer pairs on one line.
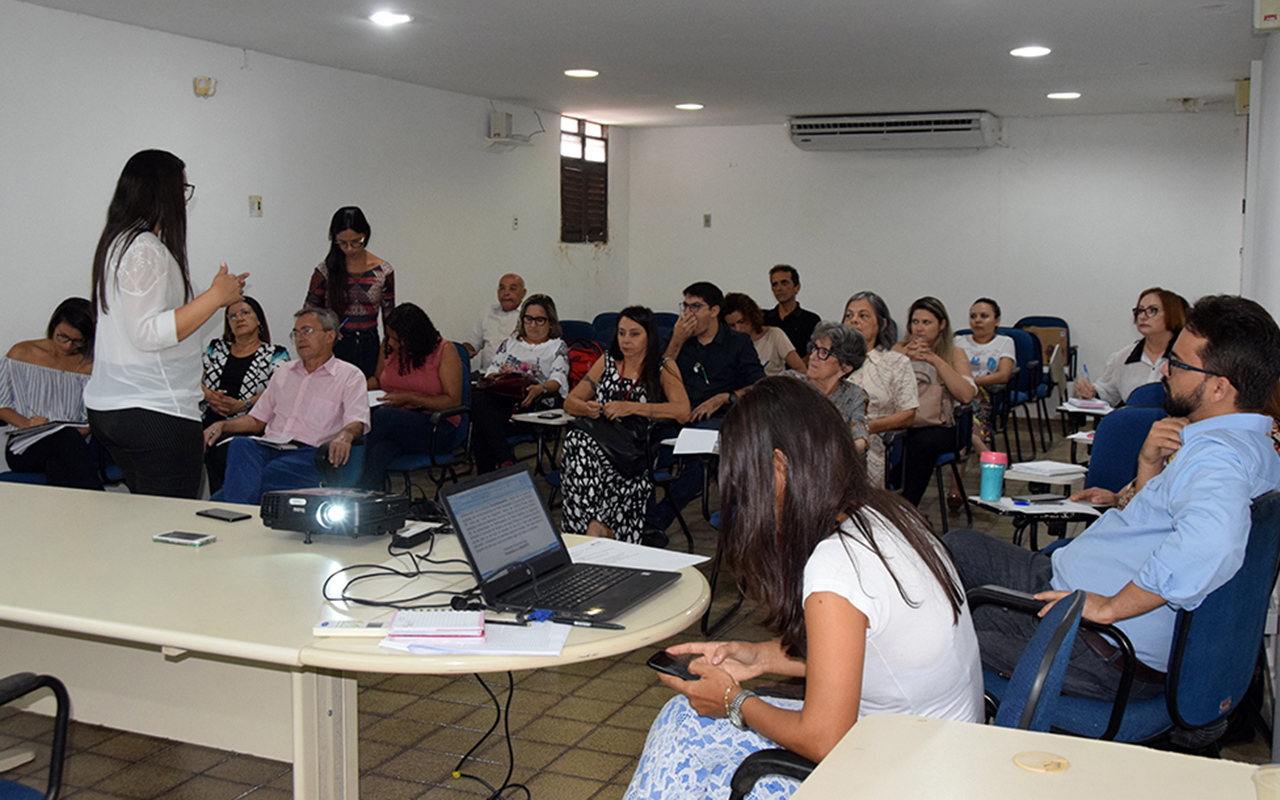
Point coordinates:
[[750, 61]]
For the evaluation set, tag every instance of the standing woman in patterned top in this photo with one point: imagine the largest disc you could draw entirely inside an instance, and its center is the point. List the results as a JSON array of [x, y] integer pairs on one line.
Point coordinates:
[[355, 284], [43, 380]]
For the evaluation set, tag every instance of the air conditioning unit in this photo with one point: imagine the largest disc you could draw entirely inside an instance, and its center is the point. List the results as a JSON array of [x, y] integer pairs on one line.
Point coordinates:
[[930, 130]]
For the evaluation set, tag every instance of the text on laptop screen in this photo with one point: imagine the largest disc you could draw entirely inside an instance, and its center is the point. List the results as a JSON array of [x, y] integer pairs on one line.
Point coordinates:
[[503, 521]]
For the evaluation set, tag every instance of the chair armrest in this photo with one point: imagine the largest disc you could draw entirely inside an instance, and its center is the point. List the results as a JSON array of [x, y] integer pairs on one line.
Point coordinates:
[[1021, 601], [444, 413], [768, 762], [17, 685]]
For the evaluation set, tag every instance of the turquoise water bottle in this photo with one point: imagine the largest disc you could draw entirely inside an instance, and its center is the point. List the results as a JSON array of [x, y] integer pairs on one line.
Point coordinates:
[[993, 465]]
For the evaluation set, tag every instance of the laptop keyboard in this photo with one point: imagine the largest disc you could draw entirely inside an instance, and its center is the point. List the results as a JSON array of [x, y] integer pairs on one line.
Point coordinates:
[[587, 580]]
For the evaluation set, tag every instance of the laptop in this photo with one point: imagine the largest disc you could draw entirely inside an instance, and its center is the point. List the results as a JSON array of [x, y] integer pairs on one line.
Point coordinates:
[[520, 560]]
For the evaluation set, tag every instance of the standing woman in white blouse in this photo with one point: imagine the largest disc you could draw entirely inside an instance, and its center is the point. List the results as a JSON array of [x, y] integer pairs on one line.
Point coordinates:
[[144, 396]]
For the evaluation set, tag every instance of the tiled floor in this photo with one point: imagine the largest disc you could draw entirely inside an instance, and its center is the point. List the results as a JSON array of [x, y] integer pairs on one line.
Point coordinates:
[[576, 730]]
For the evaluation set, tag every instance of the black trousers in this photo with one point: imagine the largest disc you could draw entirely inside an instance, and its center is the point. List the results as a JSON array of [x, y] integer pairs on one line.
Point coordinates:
[[359, 348], [922, 446], [65, 458], [158, 453], [490, 426]]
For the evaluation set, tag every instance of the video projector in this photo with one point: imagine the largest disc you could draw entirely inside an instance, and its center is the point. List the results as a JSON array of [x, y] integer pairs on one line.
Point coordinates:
[[351, 512]]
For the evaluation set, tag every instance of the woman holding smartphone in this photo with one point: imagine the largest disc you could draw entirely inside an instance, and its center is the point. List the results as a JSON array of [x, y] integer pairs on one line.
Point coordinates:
[[862, 598], [144, 397]]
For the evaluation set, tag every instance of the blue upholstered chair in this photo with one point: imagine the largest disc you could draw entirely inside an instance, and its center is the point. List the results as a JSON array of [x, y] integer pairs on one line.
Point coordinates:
[[1033, 691], [19, 685], [1211, 661], [1030, 697], [576, 329], [1025, 384], [1113, 460], [1148, 395]]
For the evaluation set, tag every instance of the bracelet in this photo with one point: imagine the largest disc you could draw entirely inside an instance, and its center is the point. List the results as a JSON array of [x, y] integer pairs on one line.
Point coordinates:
[[727, 691]]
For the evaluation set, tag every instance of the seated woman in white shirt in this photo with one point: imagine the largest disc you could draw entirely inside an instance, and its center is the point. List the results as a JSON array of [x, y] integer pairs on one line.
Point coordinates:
[[992, 357], [863, 600], [538, 362], [1158, 317], [42, 380], [773, 346]]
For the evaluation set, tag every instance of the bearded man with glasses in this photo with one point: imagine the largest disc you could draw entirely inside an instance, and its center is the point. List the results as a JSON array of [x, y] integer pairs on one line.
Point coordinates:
[[1181, 536]]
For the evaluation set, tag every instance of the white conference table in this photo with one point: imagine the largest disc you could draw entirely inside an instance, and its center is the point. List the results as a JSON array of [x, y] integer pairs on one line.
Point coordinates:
[[891, 757], [213, 645]]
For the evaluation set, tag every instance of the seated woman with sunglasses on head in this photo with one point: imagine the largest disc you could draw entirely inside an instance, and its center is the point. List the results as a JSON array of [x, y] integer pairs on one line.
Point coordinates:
[[42, 380], [1158, 317], [864, 601]]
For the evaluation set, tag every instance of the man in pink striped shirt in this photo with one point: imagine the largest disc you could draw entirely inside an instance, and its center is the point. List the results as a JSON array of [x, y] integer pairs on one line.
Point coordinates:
[[316, 402]]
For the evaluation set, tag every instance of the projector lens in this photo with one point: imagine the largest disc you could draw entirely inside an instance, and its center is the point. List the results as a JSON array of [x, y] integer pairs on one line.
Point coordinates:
[[332, 514]]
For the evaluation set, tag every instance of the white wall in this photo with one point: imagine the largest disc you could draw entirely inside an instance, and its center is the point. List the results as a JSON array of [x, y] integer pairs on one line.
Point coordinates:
[[80, 95], [1073, 218], [1262, 231]]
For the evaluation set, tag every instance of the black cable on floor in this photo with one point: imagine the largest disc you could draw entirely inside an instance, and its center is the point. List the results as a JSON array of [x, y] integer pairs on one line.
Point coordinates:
[[503, 715]]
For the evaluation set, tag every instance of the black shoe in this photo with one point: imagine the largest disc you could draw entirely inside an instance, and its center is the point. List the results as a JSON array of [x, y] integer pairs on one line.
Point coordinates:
[[651, 537]]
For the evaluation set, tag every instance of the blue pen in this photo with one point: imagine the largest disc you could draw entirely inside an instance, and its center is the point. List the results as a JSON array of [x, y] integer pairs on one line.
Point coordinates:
[[1085, 367]]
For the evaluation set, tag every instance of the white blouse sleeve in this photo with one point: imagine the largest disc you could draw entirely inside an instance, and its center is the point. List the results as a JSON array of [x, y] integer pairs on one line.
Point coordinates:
[[143, 278]]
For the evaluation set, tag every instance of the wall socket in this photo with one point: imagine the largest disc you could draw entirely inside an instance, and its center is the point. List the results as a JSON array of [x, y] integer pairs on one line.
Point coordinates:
[[706, 220], [255, 205], [515, 223]]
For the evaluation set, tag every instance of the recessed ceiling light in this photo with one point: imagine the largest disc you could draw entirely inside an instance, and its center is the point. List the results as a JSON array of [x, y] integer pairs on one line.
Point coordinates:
[[389, 18], [1063, 95], [581, 73], [1031, 51], [690, 106]]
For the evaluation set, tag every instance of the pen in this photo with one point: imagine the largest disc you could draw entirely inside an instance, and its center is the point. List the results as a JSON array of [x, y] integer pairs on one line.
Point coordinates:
[[587, 623], [1085, 367], [506, 622]]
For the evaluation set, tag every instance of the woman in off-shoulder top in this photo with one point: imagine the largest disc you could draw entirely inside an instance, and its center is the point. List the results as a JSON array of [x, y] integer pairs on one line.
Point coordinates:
[[42, 381]]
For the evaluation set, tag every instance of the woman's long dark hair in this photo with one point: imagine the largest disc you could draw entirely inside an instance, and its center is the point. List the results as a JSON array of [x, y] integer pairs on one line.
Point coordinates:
[[149, 197], [825, 478], [347, 218], [78, 313], [651, 375], [264, 330], [417, 333]]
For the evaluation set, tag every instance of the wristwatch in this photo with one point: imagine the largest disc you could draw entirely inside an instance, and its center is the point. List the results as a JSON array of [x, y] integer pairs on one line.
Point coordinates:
[[735, 709]]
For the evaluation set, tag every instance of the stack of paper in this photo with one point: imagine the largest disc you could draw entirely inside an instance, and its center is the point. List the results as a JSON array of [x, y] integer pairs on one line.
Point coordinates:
[[436, 628], [1050, 469], [1080, 402]]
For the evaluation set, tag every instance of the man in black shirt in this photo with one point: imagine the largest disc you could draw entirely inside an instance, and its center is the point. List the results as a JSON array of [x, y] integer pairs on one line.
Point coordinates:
[[795, 322], [717, 365]]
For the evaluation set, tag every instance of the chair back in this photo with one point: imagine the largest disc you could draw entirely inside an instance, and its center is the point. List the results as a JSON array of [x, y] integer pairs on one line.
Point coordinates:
[[1036, 683], [1215, 647], [1113, 462], [605, 320], [1148, 395], [577, 329], [1028, 358], [464, 424], [666, 319]]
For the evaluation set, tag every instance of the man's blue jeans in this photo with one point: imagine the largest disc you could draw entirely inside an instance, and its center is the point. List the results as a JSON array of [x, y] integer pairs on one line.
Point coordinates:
[[254, 468]]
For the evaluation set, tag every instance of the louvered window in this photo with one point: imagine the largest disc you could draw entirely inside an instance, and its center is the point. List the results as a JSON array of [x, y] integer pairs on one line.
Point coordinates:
[[584, 181]]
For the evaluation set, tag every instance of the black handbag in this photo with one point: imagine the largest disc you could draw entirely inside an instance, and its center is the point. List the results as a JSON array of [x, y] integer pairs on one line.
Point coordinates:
[[625, 442]]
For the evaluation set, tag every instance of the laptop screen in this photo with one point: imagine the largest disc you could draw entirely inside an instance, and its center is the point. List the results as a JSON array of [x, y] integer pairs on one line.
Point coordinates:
[[502, 521]]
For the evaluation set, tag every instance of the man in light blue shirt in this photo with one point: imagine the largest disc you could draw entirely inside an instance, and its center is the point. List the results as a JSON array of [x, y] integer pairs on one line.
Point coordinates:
[[1184, 533]]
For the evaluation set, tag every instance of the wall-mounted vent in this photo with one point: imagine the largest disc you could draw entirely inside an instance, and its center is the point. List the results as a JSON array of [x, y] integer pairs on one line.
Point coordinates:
[[947, 129]]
